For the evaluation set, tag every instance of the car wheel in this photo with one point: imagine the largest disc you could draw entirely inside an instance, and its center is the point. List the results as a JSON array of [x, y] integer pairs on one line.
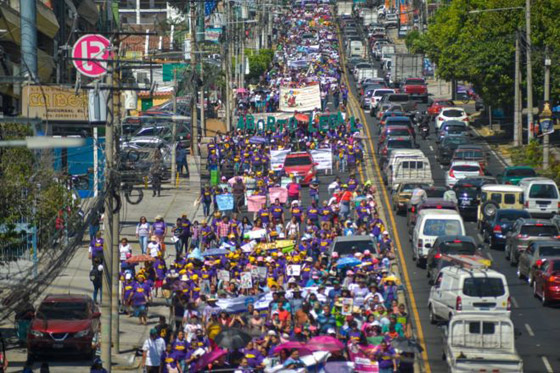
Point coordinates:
[[433, 318], [489, 209]]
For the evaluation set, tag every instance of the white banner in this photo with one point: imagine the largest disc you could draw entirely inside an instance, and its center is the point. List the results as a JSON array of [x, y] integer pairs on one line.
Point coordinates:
[[277, 159], [323, 158], [300, 99]]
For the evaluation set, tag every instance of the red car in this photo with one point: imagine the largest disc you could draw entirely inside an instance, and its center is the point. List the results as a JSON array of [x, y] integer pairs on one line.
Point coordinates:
[[547, 280], [64, 324], [302, 166], [394, 131], [416, 88], [437, 105]]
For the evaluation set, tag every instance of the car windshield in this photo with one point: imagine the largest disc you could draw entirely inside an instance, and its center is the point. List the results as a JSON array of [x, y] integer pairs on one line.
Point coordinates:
[[556, 266], [469, 154], [398, 132], [351, 247], [398, 98], [455, 129], [398, 122], [379, 93], [539, 230], [549, 250], [149, 131], [466, 168], [63, 311], [511, 216], [407, 188], [414, 82], [524, 172], [442, 227], [435, 193], [453, 113], [483, 287], [297, 161], [458, 247], [399, 144], [470, 191], [543, 191]]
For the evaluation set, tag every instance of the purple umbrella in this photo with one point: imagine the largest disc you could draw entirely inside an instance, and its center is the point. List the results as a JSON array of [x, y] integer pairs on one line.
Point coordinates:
[[325, 343], [210, 357], [292, 345]]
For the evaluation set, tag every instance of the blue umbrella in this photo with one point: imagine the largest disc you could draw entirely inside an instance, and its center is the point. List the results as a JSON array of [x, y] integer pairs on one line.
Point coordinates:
[[348, 261], [195, 254], [215, 252]]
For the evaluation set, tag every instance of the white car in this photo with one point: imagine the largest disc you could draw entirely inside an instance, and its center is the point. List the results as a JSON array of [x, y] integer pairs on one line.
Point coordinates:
[[460, 170], [451, 113], [391, 20], [378, 94]]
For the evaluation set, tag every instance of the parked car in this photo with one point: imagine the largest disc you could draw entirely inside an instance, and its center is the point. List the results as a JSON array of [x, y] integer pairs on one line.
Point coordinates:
[[514, 174], [460, 170], [494, 230], [300, 165], [451, 113], [64, 324], [533, 257], [468, 194], [546, 284], [522, 232], [447, 147]]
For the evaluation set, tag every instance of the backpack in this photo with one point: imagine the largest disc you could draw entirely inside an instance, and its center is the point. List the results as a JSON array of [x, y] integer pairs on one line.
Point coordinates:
[[93, 274]]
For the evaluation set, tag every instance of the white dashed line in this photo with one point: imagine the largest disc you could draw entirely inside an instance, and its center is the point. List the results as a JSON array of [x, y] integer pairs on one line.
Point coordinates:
[[529, 330], [547, 364], [514, 302]]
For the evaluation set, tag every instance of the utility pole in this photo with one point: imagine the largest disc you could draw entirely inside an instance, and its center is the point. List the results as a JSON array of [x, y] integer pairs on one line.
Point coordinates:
[[174, 131], [227, 67], [202, 106], [517, 116], [529, 70], [28, 32], [546, 140], [194, 50]]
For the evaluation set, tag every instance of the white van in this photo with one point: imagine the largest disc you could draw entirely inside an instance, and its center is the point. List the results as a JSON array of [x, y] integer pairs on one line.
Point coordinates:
[[430, 224], [406, 169], [540, 196], [356, 48], [459, 288]]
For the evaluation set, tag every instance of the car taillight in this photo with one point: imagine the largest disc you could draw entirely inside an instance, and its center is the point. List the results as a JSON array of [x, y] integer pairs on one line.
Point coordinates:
[[438, 206], [497, 229], [451, 173], [559, 205], [437, 256], [507, 183], [538, 263], [420, 244], [413, 209], [553, 279], [458, 304], [526, 204], [509, 304]]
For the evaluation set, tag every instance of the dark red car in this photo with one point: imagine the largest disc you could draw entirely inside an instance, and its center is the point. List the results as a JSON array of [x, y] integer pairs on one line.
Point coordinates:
[[300, 165], [547, 280], [437, 105], [64, 324], [394, 131]]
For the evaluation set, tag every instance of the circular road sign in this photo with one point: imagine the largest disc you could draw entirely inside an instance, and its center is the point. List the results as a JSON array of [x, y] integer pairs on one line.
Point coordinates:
[[89, 53]]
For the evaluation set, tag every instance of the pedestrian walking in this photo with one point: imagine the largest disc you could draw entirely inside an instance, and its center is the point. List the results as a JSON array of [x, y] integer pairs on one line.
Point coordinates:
[[143, 233], [152, 350], [95, 276]]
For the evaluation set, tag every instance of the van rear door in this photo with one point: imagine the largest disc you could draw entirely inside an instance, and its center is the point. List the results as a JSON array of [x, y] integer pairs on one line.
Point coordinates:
[[485, 292]]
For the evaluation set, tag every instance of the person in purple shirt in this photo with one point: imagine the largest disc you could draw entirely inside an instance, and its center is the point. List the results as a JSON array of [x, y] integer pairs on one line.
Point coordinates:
[[312, 213], [386, 358], [277, 211], [159, 228], [325, 212], [253, 355], [352, 182], [139, 301], [96, 247], [179, 348], [363, 212]]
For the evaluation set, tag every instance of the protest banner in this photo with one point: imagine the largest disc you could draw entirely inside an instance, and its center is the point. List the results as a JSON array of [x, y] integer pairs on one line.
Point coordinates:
[[249, 246], [347, 306], [293, 270], [278, 192], [255, 203], [246, 281], [323, 158], [225, 202], [300, 99], [277, 159], [223, 275], [257, 234]]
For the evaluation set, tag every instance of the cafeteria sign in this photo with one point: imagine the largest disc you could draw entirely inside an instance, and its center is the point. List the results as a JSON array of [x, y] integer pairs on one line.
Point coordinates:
[[326, 122]]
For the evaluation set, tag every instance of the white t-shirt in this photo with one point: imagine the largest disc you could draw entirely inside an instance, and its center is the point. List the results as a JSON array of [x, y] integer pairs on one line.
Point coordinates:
[[124, 250], [153, 249], [154, 349]]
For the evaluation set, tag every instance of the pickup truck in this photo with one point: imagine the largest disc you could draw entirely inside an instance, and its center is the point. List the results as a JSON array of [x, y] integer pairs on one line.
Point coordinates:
[[481, 342], [416, 88]]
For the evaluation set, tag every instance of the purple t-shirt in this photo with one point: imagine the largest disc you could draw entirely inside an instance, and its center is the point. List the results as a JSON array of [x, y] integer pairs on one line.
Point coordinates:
[[159, 227]]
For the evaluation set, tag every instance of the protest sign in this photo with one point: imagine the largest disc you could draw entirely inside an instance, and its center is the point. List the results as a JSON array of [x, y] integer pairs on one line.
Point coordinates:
[[323, 158], [223, 275], [277, 159], [293, 270], [255, 272], [347, 305], [249, 246], [255, 203], [225, 202], [263, 271], [278, 192], [246, 281], [300, 99]]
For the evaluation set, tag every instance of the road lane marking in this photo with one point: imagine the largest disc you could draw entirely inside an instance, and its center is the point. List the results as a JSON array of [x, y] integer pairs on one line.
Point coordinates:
[[480, 238], [396, 237], [431, 147], [529, 330], [547, 364], [514, 302]]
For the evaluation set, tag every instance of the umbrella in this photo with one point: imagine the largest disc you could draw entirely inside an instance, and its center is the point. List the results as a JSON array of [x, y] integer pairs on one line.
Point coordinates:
[[302, 117], [325, 343], [257, 140], [195, 254], [210, 357], [348, 261], [232, 339], [301, 347], [241, 90], [214, 252], [140, 259], [406, 345], [339, 367]]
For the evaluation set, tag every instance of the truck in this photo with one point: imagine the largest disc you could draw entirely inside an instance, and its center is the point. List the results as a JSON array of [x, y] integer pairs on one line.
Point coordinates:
[[356, 48], [406, 66], [344, 8], [416, 88], [369, 17], [481, 342], [407, 165]]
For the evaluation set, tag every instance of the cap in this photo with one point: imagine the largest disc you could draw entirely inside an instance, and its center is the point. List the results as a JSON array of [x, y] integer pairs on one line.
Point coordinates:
[[153, 331], [367, 252], [385, 232], [128, 276], [331, 331], [334, 255], [271, 333]]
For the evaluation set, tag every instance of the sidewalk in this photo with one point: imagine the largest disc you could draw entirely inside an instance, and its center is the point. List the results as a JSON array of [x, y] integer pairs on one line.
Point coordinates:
[[75, 278]]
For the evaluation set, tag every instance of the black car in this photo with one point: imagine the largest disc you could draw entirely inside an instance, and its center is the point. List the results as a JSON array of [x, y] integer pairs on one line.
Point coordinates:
[[468, 194], [495, 230], [447, 147], [450, 245]]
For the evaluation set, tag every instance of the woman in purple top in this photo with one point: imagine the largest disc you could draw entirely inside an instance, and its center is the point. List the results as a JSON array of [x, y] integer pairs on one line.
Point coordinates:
[[253, 355], [139, 300], [386, 358], [179, 348], [159, 228]]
